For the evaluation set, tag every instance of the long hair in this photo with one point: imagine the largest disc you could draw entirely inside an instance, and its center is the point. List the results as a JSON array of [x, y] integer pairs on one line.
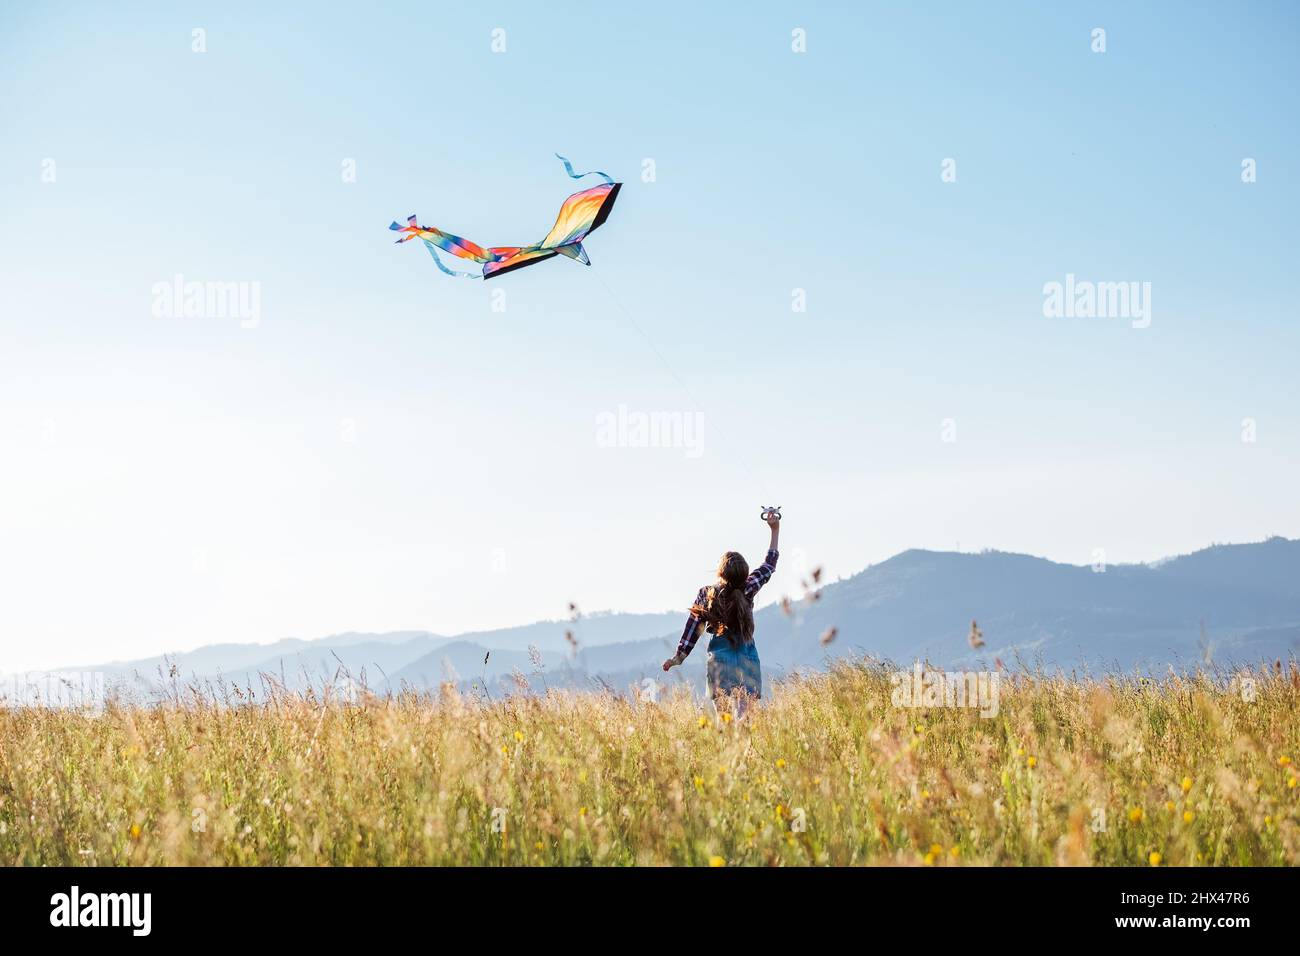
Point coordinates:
[[727, 610]]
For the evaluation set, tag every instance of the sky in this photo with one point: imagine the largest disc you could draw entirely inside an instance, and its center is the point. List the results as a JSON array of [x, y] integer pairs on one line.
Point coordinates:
[[830, 255]]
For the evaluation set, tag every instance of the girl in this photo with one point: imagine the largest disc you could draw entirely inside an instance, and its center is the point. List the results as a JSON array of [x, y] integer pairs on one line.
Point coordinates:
[[726, 610]]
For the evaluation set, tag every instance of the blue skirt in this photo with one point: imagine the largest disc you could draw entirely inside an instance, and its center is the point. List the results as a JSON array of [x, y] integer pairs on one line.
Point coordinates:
[[731, 668]]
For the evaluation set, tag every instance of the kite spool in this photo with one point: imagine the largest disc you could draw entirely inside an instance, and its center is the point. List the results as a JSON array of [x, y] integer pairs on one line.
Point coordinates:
[[770, 511]]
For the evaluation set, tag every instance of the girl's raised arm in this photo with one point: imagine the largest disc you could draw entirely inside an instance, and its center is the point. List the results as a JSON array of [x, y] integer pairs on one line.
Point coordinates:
[[763, 573]]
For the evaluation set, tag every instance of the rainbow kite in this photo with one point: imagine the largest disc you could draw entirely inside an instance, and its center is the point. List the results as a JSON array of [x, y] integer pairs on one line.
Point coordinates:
[[581, 214]]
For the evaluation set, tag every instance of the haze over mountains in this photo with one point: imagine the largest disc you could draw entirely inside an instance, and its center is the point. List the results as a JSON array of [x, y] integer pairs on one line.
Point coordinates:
[[1227, 604]]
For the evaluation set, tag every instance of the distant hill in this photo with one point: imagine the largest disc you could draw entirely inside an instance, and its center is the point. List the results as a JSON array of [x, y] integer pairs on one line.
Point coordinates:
[[590, 630], [375, 659], [921, 603], [235, 658], [1225, 604]]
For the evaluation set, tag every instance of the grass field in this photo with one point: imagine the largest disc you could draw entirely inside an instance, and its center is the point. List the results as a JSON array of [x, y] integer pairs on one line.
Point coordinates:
[[1181, 772]]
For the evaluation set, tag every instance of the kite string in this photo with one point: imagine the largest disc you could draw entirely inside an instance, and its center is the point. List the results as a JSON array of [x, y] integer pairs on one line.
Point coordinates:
[[451, 272], [744, 462], [568, 168]]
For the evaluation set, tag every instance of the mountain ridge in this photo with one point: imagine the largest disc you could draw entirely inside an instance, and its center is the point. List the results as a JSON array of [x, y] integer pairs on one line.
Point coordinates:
[[1242, 600]]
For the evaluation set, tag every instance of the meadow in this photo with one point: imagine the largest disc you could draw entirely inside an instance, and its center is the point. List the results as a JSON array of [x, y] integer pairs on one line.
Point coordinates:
[[1185, 771]]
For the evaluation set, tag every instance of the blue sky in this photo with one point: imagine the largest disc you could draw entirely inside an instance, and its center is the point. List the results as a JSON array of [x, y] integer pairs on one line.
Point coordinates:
[[383, 450]]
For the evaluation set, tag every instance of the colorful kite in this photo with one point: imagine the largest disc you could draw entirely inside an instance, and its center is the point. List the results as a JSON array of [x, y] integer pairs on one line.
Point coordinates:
[[581, 214]]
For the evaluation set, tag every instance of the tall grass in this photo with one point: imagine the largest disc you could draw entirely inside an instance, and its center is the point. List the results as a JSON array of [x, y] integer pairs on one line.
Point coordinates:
[[1184, 771]]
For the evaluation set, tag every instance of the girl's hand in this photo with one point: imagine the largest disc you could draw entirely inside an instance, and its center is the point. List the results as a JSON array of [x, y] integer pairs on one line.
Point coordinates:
[[671, 662], [773, 522]]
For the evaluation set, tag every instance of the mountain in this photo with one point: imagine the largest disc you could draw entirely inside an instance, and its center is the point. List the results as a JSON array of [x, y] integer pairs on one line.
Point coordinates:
[[294, 663], [232, 658], [463, 662], [375, 659], [1227, 604], [1234, 603], [590, 630], [1243, 600]]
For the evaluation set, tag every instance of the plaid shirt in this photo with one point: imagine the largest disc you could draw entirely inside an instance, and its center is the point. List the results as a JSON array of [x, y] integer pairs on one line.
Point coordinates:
[[757, 578]]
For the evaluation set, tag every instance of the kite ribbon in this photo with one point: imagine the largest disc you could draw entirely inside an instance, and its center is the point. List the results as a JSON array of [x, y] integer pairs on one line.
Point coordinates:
[[451, 272], [568, 168]]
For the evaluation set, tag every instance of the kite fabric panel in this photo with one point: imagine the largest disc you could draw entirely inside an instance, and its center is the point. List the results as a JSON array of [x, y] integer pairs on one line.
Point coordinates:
[[580, 215]]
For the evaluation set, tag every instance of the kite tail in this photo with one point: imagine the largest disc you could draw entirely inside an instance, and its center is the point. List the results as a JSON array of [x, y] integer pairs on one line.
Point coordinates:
[[568, 168], [451, 272]]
